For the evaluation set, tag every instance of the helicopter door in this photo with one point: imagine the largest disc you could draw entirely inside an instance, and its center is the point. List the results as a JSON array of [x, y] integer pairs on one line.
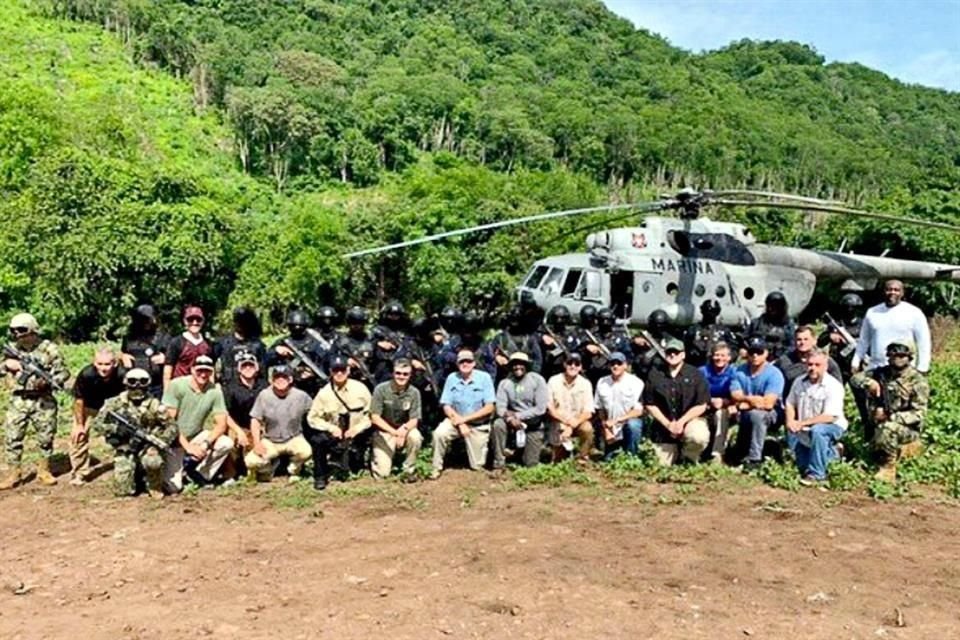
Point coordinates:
[[621, 294], [591, 287]]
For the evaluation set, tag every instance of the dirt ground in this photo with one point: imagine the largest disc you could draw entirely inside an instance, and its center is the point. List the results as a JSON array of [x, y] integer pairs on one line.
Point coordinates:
[[468, 557]]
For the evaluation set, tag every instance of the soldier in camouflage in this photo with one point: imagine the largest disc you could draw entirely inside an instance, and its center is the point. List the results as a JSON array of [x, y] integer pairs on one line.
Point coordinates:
[[897, 397], [134, 459], [32, 403]]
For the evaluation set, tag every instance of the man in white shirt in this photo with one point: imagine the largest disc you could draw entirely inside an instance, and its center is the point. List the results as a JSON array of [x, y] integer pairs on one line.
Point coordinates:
[[619, 404], [892, 321], [814, 418]]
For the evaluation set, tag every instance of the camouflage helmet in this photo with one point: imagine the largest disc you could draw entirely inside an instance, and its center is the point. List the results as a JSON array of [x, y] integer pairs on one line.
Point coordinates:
[[899, 349], [25, 321], [136, 378]]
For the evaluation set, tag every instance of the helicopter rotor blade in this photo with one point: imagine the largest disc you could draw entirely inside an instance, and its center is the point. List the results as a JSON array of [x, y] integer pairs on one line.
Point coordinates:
[[641, 207], [829, 208], [772, 195]]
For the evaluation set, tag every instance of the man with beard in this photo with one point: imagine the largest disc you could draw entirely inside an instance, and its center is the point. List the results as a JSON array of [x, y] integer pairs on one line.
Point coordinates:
[[774, 325], [699, 338], [283, 352], [893, 320]]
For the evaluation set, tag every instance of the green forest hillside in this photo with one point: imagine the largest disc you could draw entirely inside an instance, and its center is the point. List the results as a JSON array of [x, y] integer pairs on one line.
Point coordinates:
[[228, 151]]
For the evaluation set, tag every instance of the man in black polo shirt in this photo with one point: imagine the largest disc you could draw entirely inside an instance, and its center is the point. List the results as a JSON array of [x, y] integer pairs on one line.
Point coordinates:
[[240, 392], [95, 383], [676, 397]]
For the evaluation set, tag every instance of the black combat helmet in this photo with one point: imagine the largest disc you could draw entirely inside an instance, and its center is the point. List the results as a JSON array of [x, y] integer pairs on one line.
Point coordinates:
[[297, 322], [246, 323], [605, 318], [356, 316], [558, 316], [658, 321], [392, 315], [710, 310], [451, 319], [326, 318], [851, 301], [588, 316], [776, 304]]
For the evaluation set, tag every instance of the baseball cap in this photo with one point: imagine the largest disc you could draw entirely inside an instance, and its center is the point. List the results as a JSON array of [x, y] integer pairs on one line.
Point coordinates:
[[203, 362], [282, 370], [193, 311], [756, 343], [464, 356], [338, 363], [673, 344], [617, 356], [519, 356]]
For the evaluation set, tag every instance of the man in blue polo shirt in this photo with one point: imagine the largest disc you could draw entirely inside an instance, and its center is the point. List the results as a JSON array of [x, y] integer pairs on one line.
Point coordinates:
[[468, 402], [757, 388], [719, 373]]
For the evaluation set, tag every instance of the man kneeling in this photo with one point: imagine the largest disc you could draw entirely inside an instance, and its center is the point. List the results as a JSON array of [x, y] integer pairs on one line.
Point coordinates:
[[815, 421], [395, 411], [276, 421], [676, 398]]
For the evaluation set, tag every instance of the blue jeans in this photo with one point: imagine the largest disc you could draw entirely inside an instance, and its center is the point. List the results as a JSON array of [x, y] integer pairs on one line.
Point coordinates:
[[754, 425], [812, 460], [631, 436]]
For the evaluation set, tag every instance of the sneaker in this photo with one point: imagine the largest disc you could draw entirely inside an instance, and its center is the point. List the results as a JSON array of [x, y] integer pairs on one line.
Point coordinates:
[[749, 466], [77, 481], [838, 449], [497, 474], [812, 481]]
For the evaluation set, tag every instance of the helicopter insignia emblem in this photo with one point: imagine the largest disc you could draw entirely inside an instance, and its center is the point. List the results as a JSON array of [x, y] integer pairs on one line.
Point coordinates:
[[639, 241]]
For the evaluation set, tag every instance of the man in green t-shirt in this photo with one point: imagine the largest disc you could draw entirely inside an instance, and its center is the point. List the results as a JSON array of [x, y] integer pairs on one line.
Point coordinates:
[[191, 400]]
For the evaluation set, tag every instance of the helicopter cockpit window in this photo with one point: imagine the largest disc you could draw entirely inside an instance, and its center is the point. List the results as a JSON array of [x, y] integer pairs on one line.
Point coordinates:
[[570, 282], [536, 275], [551, 285], [589, 288], [711, 246]]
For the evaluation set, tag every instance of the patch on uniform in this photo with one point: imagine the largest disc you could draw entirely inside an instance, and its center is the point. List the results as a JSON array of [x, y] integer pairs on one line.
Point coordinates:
[[406, 405]]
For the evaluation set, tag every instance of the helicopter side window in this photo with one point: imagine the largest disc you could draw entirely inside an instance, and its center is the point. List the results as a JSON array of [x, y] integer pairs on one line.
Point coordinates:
[[711, 246], [571, 282], [589, 288], [551, 285], [536, 276]]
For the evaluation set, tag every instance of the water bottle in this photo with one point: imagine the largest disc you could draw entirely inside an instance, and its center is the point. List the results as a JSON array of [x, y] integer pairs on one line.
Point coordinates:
[[521, 438]]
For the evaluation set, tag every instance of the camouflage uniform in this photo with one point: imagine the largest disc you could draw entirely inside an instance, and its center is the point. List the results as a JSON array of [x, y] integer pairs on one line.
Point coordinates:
[[150, 416], [33, 406], [904, 398]]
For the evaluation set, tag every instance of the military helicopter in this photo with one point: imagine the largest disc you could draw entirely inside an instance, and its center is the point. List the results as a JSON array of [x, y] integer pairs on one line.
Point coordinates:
[[675, 263]]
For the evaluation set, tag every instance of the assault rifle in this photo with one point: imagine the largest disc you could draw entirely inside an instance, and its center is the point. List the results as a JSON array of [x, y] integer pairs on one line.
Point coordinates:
[[603, 348], [361, 366], [850, 343], [306, 361], [137, 435], [557, 342], [29, 368], [653, 344]]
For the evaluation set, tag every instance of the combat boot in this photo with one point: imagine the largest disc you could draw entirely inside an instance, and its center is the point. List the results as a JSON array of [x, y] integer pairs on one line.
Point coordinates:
[[11, 479], [887, 473], [911, 450], [44, 476]]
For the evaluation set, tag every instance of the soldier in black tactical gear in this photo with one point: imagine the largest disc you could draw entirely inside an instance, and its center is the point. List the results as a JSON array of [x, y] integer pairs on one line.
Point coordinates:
[[244, 339], [389, 340], [774, 325], [645, 356], [699, 338], [283, 351], [848, 320], [557, 339], [597, 344], [451, 327], [424, 353], [357, 346], [495, 353], [326, 329]]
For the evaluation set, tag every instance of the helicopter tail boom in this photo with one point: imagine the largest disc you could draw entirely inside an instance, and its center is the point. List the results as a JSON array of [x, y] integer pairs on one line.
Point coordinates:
[[835, 265]]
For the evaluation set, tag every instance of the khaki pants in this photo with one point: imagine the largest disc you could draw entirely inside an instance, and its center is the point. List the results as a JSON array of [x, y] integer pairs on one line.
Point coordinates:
[[584, 435], [80, 450], [207, 468], [477, 440], [385, 447], [296, 447], [696, 437]]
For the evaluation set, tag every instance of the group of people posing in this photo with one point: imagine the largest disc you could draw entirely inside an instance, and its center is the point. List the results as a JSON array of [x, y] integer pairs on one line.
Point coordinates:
[[541, 389]]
